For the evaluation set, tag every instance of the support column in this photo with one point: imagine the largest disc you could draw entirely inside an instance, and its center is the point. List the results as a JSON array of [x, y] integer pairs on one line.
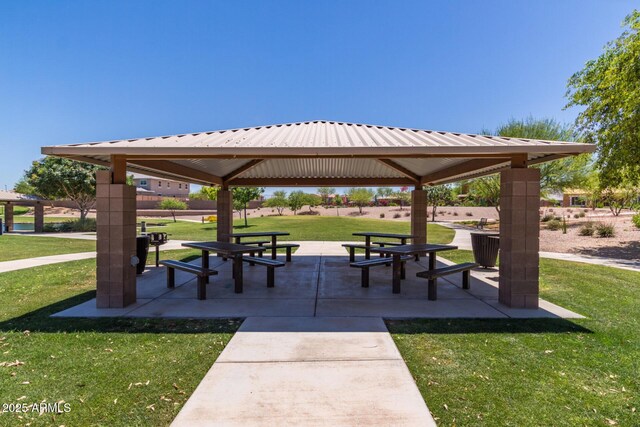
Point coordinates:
[[38, 218], [116, 240], [419, 215], [8, 217], [519, 237], [225, 214]]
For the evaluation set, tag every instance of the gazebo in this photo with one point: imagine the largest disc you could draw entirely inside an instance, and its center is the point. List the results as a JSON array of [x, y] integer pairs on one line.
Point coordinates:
[[321, 153], [11, 198]]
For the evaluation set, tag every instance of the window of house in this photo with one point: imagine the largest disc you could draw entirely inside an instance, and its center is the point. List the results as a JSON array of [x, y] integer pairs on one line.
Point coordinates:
[[159, 183], [143, 182], [180, 186], [577, 201], [168, 184]]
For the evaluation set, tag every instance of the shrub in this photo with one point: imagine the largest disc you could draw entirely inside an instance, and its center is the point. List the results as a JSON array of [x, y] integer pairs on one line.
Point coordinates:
[[75, 226], [469, 213], [582, 214], [382, 215], [636, 220], [605, 230], [576, 216], [547, 218], [442, 213], [407, 214], [455, 214], [587, 229], [397, 215], [554, 224]]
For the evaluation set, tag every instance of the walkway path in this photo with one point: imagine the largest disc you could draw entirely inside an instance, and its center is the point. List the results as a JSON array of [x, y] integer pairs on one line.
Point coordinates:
[[462, 240], [335, 371]]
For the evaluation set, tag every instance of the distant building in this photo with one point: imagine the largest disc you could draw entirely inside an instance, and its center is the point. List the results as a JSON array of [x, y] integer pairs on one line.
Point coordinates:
[[160, 187]]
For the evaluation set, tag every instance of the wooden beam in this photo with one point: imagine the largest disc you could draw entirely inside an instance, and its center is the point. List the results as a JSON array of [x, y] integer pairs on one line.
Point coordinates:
[[519, 161], [134, 156], [241, 169], [398, 168], [319, 182], [460, 168], [189, 174], [119, 169]]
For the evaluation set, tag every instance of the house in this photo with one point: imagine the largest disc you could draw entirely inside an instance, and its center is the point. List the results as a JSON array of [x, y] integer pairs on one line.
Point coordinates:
[[160, 187]]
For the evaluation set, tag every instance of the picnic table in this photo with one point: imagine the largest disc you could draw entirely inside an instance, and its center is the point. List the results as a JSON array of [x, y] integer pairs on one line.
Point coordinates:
[[228, 250], [369, 234], [397, 252], [273, 235]]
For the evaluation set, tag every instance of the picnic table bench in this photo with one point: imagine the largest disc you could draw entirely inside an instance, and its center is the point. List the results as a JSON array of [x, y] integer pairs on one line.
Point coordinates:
[[201, 272], [271, 265], [432, 276], [366, 264]]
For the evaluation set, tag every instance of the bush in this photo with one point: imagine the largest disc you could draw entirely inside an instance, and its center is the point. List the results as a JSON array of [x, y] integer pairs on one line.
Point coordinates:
[[582, 214], [75, 226], [605, 230], [587, 229], [547, 218], [636, 220], [554, 224], [397, 215], [407, 214], [455, 214], [382, 215], [576, 216], [469, 213]]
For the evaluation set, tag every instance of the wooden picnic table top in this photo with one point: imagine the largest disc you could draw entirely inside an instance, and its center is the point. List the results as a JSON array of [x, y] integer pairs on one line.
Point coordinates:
[[413, 249], [260, 234], [223, 247], [384, 235]]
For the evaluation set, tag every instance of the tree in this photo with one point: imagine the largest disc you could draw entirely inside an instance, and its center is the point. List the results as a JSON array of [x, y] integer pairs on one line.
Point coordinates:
[[325, 192], [278, 201], [383, 192], [360, 197], [487, 189], [438, 195], [608, 89], [296, 201], [242, 196], [57, 178], [172, 205], [338, 201], [23, 187], [403, 196], [205, 193], [558, 174], [619, 198], [312, 201]]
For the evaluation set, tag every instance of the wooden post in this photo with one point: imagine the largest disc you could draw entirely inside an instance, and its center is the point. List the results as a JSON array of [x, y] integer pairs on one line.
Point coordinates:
[[8, 217], [519, 236]]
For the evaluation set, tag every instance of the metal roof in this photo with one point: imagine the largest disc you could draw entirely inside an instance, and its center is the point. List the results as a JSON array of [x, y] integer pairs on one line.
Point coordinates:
[[12, 196], [317, 150]]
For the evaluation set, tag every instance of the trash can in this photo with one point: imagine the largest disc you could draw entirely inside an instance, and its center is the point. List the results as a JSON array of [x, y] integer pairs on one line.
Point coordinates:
[[142, 250], [485, 248], [1, 227]]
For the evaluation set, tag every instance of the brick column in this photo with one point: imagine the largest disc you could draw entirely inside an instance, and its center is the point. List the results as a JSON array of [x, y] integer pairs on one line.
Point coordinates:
[[225, 214], [519, 237], [38, 221], [419, 216], [116, 245], [8, 217]]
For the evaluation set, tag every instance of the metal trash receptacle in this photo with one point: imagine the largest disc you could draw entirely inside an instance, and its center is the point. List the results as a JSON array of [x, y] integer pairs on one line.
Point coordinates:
[[485, 248], [142, 251]]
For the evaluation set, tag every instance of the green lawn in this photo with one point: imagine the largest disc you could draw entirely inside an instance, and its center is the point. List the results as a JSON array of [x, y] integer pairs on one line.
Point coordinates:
[[47, 219], [536, 372], [111, 371], [20, 247], [302, 228]]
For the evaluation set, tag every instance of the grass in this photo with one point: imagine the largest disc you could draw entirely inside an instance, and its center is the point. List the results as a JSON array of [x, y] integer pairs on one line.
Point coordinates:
[[20, 247], [535, 372], [301, 228], [110, 371], [47, 219]]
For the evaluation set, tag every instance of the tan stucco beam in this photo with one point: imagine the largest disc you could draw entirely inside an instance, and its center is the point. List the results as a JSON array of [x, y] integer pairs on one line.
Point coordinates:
[[319, 182], [189, 174], [401, 169]]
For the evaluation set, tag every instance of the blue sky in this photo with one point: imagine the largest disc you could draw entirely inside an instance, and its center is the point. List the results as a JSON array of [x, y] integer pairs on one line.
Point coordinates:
[[77, 71]]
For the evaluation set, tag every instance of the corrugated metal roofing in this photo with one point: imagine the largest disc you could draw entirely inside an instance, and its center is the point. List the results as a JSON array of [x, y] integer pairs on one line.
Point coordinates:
[[321, 149]]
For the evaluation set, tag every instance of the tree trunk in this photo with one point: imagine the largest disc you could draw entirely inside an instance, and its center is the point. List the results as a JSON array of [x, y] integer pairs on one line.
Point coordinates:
[[245, 215], [173, 214]]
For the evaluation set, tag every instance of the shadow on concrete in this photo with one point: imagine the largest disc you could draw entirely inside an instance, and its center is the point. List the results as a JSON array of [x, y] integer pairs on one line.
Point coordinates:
[[484, 326], [40, 321], [629, 251]]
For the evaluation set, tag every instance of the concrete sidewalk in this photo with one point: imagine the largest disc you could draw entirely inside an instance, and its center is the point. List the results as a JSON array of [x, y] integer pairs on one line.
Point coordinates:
[[21, 264], [335, 371]]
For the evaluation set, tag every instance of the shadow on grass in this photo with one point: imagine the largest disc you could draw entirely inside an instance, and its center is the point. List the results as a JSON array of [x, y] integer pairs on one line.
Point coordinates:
[[39, 321], [484, 326]]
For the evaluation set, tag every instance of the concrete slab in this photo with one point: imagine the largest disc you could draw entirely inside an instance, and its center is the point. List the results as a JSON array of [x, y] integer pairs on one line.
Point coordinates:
[[308, 371], [88, 309], [545, 310]]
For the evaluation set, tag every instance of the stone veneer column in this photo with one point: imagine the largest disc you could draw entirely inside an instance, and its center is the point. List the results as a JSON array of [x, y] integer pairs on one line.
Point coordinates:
[[38, 221], [116, 242], [519, 237], [419, 216], [8, 217], [224, 209]]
